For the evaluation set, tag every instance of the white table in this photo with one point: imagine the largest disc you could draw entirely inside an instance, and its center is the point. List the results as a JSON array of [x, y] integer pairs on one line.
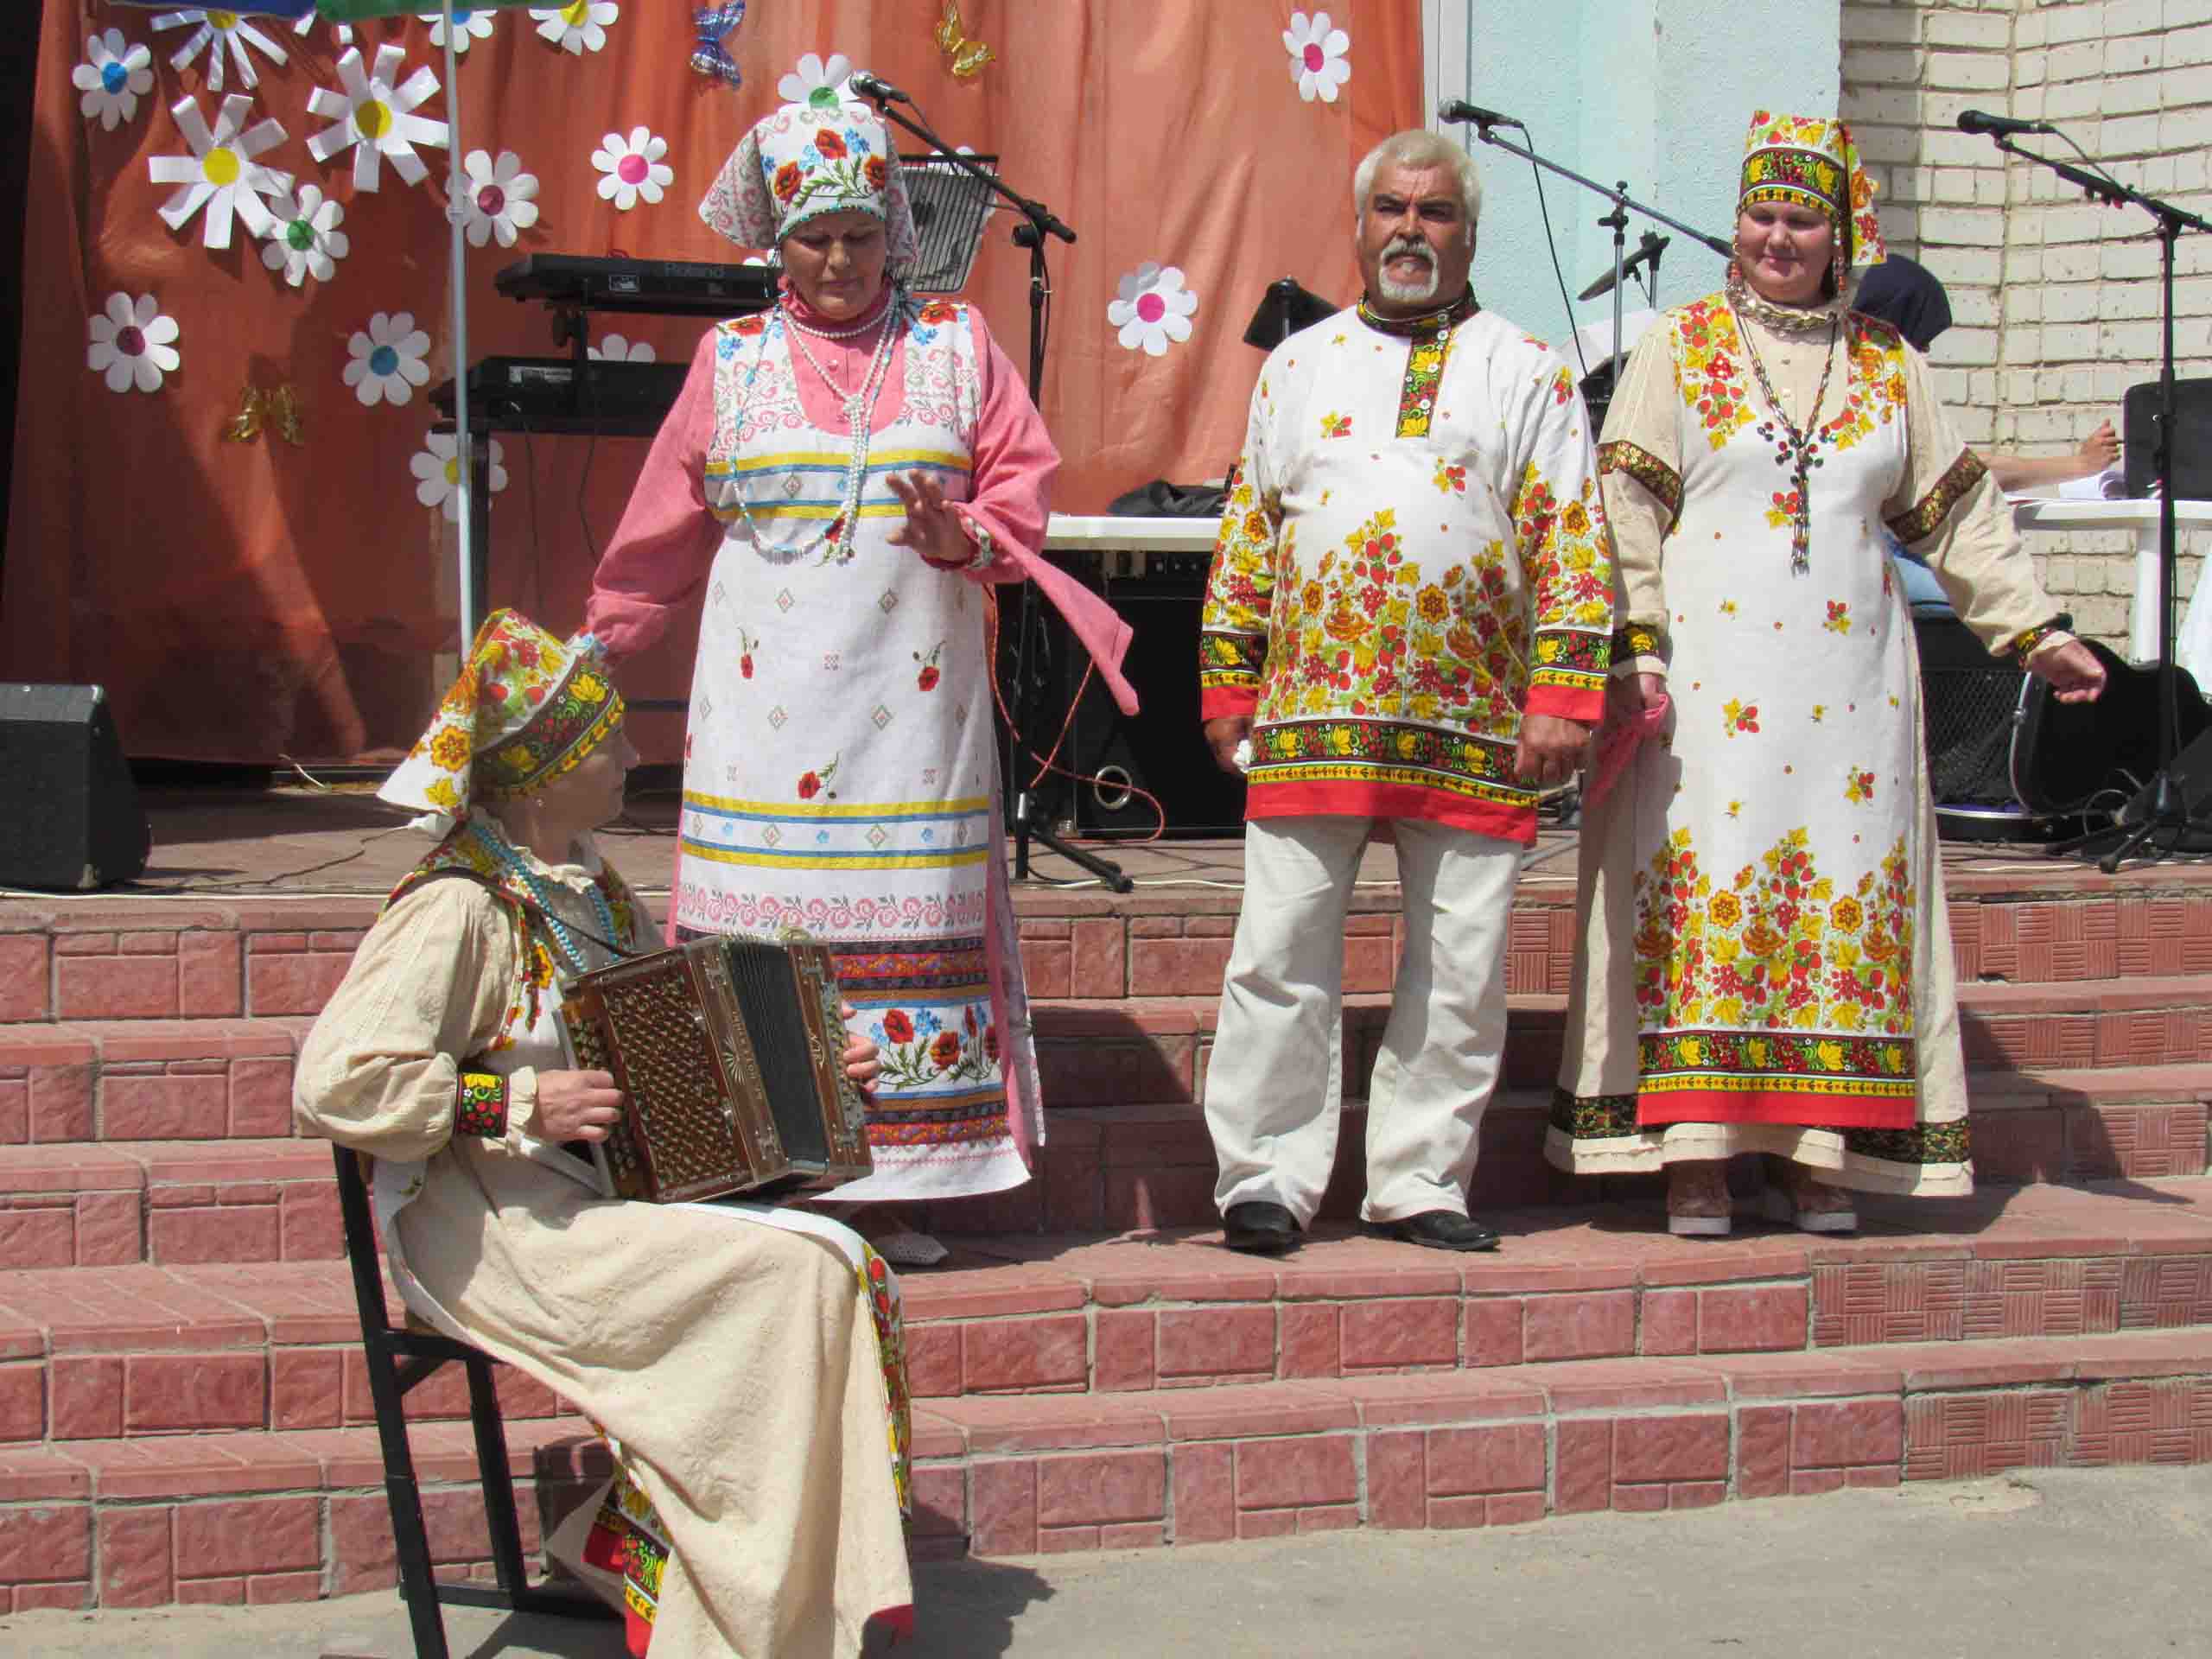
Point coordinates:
[[2193, 637], [1125, 547]]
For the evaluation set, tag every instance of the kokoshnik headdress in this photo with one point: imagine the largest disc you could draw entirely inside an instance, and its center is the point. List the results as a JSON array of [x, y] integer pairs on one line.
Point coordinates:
[[1814, 162], [806, 161]]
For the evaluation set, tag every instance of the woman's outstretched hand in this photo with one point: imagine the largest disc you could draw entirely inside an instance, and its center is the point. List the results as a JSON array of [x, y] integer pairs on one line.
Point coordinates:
[[933, 528], [576, 1105]]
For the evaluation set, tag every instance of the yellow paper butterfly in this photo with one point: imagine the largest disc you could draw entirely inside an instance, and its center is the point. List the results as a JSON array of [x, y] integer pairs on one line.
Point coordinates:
[[278, 410], [966, 57]]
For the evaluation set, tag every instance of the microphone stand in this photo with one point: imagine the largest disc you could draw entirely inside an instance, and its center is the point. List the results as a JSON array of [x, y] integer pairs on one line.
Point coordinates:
[[2168, 808], [1038, 222]]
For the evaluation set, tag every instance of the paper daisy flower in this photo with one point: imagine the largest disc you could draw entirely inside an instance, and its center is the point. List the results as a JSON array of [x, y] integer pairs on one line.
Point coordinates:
[[213, 31], [436, 467], [387, 358], [615, 349], [133, 344], [220, 175], [374, 116], [632, 168], [468, 24], [342, 33], [579, 26], [495, 198], [113, 77], [1317, 56], [815, 83], [1151, 308], [304, 239]]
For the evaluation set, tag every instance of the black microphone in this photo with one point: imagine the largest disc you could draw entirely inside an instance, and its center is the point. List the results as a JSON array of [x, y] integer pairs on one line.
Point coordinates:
[[882, 91], [1459, 109], [1999, 126]]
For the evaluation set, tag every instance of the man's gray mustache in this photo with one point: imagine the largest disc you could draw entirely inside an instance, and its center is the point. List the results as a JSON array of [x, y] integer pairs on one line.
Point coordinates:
[[1419, 249]]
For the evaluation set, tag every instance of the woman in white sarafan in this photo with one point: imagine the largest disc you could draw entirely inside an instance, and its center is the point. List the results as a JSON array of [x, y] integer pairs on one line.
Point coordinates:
[[848, 475], [1765, 963], [746, 1364]]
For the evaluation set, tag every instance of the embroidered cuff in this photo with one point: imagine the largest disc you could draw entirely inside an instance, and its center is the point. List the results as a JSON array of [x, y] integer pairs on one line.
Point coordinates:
[[480, 1105], [2023, 645], [987, 549]]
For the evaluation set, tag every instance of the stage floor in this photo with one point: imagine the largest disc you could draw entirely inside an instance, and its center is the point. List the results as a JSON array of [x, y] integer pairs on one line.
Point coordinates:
[[230, 842]]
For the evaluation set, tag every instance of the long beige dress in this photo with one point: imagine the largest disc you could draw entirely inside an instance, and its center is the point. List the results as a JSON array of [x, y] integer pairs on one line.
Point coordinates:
[[1765, 963], [736, 1365]]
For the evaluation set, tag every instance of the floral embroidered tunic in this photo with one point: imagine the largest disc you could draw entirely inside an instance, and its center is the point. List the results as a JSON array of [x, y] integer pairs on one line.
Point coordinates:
[[1413, 557], [1765, 964], [840, 766]]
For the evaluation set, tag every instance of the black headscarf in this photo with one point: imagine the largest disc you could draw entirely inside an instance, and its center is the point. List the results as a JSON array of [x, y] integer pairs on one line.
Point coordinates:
[[1902, 293]]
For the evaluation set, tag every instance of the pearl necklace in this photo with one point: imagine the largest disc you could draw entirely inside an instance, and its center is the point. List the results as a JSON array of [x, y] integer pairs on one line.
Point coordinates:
[[820, 333], [511, 857], [860, 414]]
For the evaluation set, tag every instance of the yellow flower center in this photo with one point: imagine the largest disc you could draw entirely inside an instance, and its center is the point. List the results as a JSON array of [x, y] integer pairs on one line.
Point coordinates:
[[576, 13], [452, 472], [224, 19], [221, 167], [373, 119]]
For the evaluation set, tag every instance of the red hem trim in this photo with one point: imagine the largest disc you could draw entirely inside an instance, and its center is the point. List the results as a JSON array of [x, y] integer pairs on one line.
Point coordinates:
[[1341, 800], [1226, 703], [1786, 1108], [1563, 702]]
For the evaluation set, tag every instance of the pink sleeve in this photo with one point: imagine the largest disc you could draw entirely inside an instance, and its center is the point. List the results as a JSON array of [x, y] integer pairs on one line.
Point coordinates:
[[665, 544], [1013, 462]]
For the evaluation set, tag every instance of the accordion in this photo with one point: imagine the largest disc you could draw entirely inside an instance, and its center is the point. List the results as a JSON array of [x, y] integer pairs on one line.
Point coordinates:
[[728, 1053]]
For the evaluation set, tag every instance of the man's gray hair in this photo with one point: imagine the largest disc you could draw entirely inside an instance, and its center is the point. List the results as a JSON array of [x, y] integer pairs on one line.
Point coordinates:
[[1418, 147]]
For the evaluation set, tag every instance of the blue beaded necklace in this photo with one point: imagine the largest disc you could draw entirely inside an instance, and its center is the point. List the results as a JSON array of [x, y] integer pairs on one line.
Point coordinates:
[[511, 857]]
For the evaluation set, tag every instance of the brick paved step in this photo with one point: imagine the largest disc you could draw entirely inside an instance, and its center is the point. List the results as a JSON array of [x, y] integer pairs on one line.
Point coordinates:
[[138, 1351], [297, 1515], [170, 1202]]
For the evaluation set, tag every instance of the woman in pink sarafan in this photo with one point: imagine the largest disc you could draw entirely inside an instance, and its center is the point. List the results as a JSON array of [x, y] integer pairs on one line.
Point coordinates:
[[848, 476]]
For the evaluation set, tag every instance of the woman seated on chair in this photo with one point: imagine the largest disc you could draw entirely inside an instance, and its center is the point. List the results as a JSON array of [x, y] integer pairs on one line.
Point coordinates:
[[746, 1363]]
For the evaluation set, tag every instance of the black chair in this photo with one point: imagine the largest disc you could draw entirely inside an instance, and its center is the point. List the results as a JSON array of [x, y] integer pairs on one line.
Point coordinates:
[[398, 1359]]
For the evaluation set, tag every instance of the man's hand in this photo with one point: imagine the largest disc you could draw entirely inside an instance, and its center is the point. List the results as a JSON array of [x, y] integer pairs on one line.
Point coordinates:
[[1223, 735], [1628, 695], [2075, 673], [1550, 749], [859, 1053], [576, 1105], [2099, 449]]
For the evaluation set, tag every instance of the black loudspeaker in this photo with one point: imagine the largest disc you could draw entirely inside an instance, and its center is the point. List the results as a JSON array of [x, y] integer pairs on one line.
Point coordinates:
[[2191, 776], [2139, 426], [1161, 748], [1967, 699], [73, 819]]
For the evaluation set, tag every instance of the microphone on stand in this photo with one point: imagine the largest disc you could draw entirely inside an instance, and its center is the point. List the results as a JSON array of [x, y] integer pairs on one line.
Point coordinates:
[[881, 90], [1459, 109], [1649, 253], [1999, 126]]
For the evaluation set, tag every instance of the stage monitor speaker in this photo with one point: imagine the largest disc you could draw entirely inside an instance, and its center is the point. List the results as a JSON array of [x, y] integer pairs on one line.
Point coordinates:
[[2138, 425], [2191, 776], [74, 821], [1161, 748], [1967, 699]]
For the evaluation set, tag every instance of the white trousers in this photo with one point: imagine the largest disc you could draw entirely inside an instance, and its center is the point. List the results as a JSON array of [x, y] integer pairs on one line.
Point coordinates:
[[1274, 1084]]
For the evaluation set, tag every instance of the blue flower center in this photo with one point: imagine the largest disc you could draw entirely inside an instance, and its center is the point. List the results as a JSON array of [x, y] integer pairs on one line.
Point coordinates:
[[383, 360], [114, 77]]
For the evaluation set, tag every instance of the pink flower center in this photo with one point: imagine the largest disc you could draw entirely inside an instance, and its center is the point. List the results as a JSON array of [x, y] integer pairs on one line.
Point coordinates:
[[1315, 58], [130, 342], [1151, 308], [632, 170], [491, 200]]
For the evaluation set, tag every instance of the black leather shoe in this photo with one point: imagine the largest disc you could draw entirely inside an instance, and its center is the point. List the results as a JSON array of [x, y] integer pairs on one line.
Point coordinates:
[[1439, 1229], [1259, 1228]]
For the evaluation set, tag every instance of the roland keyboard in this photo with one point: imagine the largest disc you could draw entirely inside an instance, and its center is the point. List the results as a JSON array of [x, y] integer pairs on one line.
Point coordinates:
[[654, 287]]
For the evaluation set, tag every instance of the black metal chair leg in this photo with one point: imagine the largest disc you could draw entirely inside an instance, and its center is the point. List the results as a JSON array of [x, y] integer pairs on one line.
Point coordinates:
[[500, 1515]]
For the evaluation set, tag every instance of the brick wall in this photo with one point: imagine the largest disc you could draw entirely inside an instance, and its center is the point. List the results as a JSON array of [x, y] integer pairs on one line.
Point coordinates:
[[2055, 302]]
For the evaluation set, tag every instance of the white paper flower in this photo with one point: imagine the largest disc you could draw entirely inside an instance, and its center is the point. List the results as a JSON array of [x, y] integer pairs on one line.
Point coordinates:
[[342, 33], [632, 168], [220, 173], [387, 359], [614, 349], [819, 83], [468, 24], [133, 344], [216, 31], [304, 239], [112, 77], [436, 467], [374, 116], [495, 198], [1317, 56], [1151, 307], [578, 27]]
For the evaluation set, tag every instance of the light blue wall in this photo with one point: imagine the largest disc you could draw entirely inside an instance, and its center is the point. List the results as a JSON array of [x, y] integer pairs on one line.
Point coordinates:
[[1656, 93]]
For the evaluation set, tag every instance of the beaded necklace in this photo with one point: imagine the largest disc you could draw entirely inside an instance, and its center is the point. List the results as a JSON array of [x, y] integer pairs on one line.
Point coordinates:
[[1796, 449], [860, 414], [511, 857]]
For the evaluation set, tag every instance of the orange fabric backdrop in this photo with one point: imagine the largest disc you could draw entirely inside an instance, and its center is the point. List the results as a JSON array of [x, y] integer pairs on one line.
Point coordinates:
[[250, 601]]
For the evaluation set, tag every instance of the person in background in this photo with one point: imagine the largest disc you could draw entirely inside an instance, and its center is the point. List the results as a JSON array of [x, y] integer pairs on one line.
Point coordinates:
[[1407, 621], [1765, 964], [848, 476]]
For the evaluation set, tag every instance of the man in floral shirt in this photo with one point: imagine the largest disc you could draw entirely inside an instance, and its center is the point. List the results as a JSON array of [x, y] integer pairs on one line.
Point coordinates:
[[1409, 621]]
